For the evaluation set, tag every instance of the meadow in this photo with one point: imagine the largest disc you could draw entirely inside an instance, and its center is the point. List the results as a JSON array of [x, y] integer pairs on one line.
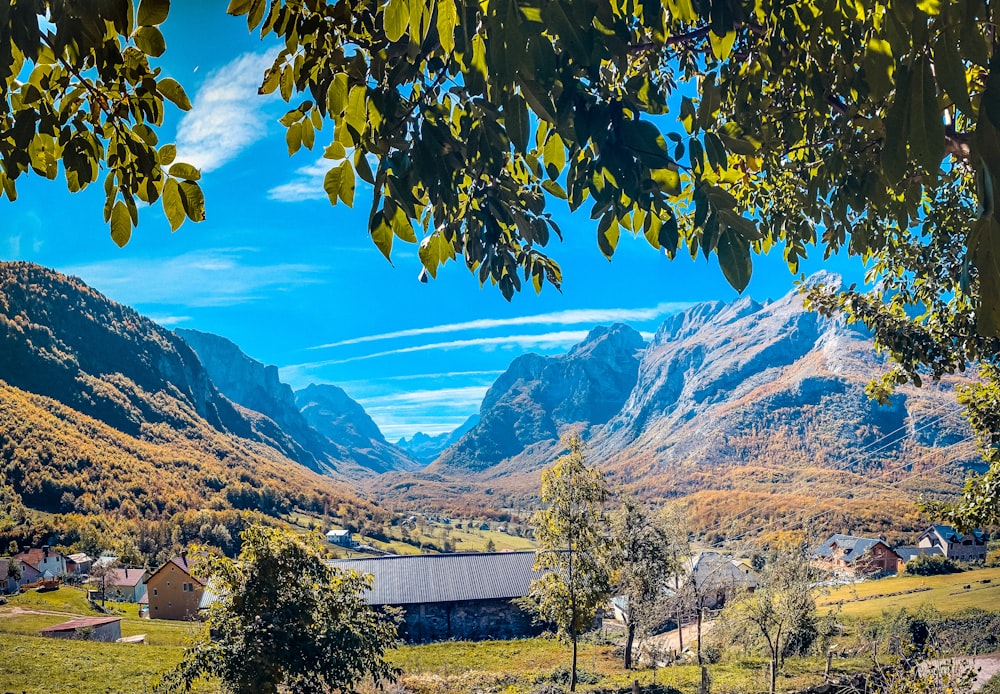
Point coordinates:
[[31, 663]]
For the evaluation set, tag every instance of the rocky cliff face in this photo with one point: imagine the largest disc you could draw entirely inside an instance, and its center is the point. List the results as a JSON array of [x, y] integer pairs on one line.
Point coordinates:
[[539, 398], [720, 385], [344, 422], [332, 433]]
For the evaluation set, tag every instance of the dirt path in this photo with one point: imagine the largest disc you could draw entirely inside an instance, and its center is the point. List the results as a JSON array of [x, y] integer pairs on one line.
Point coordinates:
[[670, 640], [988, 664], [15, 611]]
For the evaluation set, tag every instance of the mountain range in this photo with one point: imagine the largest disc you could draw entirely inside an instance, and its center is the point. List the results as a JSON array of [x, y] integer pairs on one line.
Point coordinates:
[[727, 403]]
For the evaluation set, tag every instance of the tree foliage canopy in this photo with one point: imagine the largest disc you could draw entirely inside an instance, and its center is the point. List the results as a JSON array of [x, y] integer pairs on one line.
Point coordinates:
[[723, 127], [285, 621], [824, 122]]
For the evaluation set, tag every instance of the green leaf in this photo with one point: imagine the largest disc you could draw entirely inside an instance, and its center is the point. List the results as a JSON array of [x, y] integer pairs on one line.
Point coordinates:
[[734, 258], [150, 41], [334, 150], [336, 97], [926, 127], [950, 71], [171, 89], [152, 12], [538, 98], [447, 20], [166, 154], [986, 258], [185, 171], [667, 180], [402, 227], [121, 224], [395, 19], [194, 201], [331, 184], [173, 205], [382, 235], [347, 183], [608, 233], [239, 7], [293, 138], [435, 251], [722, 46], [896, 126], [554, 152], [515, 115], [553, 188]]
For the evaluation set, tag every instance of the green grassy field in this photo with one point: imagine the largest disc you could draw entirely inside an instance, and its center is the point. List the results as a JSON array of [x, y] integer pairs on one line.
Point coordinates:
[[947, 593], [31, 663]]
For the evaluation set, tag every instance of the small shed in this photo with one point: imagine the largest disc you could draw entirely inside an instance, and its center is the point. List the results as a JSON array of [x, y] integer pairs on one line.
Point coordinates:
[[78, 563], [87, 628]]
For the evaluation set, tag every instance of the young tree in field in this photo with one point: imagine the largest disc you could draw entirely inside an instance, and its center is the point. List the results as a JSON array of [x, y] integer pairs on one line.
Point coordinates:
[[644, 563], [780, 605], [572, 536], [286, 621], [102, 570], [673, 520]]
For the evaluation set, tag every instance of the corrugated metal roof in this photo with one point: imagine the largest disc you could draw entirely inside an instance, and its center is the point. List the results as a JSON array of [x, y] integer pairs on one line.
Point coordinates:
[[75, 624], [428, 578]]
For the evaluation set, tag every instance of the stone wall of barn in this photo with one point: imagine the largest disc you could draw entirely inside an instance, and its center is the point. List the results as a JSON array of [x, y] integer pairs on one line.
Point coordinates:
[[472, 620]]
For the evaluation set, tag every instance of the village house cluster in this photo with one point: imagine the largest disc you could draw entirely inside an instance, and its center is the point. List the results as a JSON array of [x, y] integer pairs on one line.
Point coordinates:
[[172, 591], [465, 596]]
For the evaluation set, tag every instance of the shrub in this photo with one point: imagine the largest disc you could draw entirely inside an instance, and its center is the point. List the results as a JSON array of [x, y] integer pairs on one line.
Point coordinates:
[[931, 566]]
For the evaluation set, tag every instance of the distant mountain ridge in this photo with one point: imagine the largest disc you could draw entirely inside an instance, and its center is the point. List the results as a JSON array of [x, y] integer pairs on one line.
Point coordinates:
[[101, 409], [425, 448], [320, 427], [538, 398], [745, 399]]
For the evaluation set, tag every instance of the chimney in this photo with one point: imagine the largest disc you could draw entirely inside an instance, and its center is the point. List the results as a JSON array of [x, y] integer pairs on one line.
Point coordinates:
[[45, 551]]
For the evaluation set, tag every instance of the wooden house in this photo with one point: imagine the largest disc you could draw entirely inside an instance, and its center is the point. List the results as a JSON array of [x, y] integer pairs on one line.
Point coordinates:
[[860, 556]]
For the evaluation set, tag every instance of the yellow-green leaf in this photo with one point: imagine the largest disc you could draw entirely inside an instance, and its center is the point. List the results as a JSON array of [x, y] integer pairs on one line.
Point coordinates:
[[185, 171], [722, 46], [171, 89], [395, 19], [173, 206], [121, 224], [331, 184], [152, 12], [447, 20], [347, 183], [167, 154], [150, 41]]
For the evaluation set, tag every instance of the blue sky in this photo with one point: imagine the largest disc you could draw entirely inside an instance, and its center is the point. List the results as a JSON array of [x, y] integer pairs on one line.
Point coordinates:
[[297, 283]]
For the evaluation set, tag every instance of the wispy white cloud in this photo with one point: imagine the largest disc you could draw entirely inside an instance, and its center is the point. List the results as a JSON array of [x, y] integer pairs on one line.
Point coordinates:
[[451, 397], [570, 317], [544, 340], [307, 184], [216, 277], [169, 321], [227, 114]]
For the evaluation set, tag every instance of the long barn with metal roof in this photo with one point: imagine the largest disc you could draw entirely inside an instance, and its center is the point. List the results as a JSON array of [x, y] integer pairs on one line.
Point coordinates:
[[453, 596]]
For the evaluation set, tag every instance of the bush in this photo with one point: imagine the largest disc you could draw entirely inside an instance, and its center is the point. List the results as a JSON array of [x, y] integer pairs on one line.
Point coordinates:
[[934, 565], [992, 686]]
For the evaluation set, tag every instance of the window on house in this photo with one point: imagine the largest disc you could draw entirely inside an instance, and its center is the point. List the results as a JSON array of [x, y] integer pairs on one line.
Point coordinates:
[[154, 592]]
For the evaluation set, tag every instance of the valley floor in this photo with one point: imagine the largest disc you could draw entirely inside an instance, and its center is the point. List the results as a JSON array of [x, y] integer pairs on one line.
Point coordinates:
[[30, 663]]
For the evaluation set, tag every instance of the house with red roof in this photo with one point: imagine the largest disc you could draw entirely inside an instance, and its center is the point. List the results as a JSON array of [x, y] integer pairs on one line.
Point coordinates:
[[173, 591], [90, 628], [45, 560]]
